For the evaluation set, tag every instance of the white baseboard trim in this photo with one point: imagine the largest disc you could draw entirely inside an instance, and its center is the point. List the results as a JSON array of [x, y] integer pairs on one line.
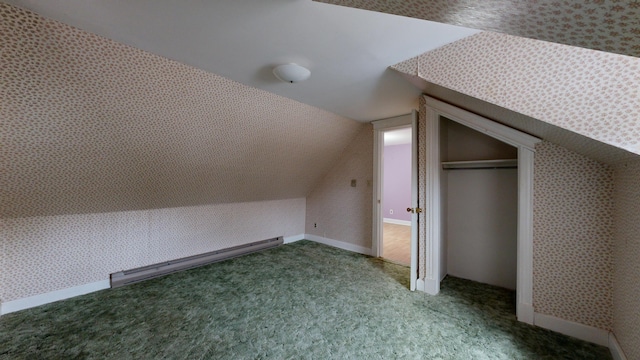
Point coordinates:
[[339, 244], [420, 284], [41, 299], [431, 286], [525, 313], [576, 330], [293, 238], [397, 222], [614, 347]]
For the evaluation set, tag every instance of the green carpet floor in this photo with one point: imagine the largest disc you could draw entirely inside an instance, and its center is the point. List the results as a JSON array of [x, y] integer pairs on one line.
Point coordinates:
[[297, 301]]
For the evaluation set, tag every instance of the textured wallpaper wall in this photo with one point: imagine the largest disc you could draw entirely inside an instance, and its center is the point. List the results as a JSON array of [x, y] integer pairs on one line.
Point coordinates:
[[572, 237], [608, 25], [114, 158], [48, 253], [626, 255], [90, 126], [580, 144], [588, 92], [343, 212]]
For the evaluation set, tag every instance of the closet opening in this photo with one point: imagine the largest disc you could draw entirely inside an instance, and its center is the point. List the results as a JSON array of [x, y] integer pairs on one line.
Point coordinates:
[[479, 199], [453, 221]]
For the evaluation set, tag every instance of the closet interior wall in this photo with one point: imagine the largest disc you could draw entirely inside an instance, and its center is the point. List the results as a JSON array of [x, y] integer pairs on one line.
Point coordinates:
[[479, 208]]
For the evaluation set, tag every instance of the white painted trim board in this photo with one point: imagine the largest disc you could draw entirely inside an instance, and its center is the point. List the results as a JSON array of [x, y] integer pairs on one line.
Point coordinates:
[[53, 296], [579, 331], [57, 295], [338, 244], [486, 126], [525, 312], [576, 330], [582, 332], [392, 122], [615, 348], [293, 238]]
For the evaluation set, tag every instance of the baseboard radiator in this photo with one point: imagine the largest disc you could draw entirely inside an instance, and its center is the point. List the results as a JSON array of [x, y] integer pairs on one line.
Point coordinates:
[[152, 271]]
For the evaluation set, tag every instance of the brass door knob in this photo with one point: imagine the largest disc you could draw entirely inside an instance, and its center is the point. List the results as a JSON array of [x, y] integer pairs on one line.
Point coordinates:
[[414, 211]]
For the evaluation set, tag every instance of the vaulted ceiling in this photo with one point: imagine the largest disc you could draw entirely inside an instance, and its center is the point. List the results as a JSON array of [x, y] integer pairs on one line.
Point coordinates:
[[347, 50], [571, 69], [153, 104], [89, 125], [567, 93]]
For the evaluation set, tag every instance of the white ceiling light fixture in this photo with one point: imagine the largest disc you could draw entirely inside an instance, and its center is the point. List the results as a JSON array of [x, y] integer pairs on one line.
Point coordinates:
[[291, 73]]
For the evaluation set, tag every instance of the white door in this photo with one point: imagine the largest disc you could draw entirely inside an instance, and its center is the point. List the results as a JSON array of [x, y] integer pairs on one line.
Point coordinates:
[[415, 206], [380, 127]]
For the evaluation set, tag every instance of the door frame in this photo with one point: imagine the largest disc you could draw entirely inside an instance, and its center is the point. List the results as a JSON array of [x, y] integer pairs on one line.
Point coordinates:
[[525, 144], [379, 128]]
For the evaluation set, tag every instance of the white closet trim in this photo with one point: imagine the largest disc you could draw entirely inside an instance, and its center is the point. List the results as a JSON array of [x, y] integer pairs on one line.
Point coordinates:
[[435, 109], [495, 130]]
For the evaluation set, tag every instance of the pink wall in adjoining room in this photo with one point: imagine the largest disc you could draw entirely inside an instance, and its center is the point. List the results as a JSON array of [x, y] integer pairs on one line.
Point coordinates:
[[396, 192]]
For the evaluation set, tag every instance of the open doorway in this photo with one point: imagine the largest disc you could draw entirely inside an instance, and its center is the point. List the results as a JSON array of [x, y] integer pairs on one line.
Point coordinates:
[[399, 213], [396, 196]]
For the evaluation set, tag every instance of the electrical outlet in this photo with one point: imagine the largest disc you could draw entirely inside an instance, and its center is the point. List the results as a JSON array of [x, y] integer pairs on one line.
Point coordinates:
[[315, 225], [391, 211]]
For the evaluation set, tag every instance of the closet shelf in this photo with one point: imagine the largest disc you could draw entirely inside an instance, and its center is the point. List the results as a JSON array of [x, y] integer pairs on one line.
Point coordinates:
[[481, 164]]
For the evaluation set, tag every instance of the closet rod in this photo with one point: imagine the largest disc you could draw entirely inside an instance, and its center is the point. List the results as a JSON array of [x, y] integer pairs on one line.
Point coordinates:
[[480, 164]]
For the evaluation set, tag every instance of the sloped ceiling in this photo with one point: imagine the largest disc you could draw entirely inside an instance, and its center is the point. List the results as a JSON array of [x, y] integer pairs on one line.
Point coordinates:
[[347, 50], [580, 144], [570, 94], [89, 125], [590, 93], [606, 25]]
